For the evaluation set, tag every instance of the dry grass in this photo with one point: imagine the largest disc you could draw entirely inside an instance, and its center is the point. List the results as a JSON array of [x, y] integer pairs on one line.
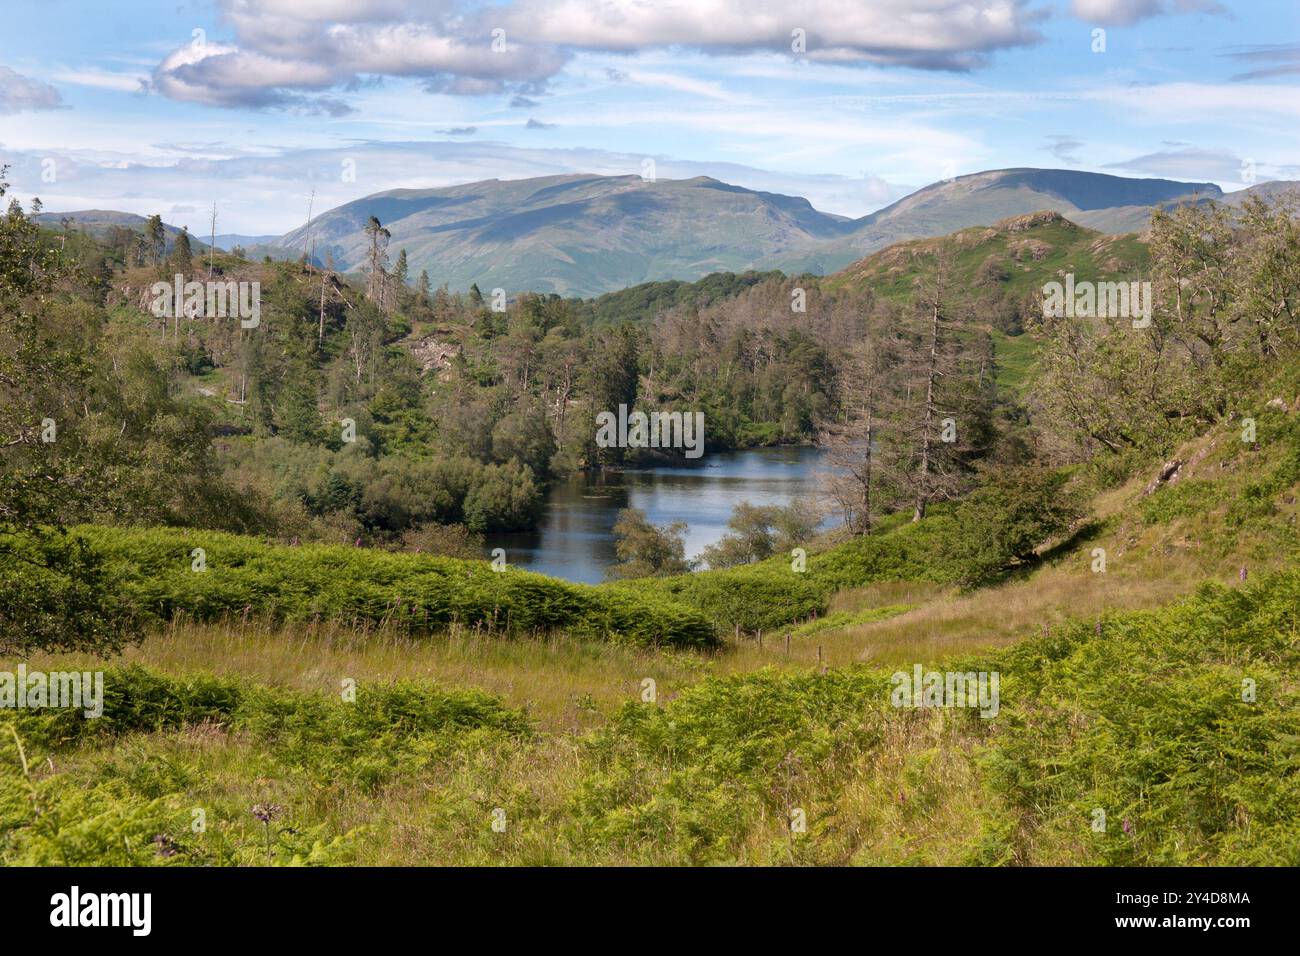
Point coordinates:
[[563, 683], [569, 685]]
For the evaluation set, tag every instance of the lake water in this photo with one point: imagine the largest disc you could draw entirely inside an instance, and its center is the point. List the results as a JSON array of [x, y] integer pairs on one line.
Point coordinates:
[[575, 539]]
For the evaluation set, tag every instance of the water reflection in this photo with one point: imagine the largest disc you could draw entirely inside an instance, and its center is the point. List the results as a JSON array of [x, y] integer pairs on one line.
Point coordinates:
[[575, 539]]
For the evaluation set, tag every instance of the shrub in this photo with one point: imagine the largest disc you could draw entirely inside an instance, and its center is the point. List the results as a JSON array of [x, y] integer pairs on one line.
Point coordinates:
[[153, 570]]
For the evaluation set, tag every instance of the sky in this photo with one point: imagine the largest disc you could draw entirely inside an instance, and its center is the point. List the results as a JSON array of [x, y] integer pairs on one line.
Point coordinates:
[[257, 104]]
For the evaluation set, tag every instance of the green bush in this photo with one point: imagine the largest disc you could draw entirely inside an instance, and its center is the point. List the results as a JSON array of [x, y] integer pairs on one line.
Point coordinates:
[[690, 778], [137, 811], [770, 594], [153, 569], [1152, 721]]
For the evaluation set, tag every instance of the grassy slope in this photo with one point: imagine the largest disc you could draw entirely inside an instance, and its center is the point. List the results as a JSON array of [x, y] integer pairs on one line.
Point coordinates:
[[1014, 257], [1144, 721], [1030, 250], [211, 576]]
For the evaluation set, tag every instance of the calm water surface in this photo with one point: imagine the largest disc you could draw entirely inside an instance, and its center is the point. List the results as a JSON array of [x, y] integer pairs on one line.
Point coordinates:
[[575, 539]]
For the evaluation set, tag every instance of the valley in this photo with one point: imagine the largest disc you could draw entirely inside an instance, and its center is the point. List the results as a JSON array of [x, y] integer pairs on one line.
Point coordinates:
[[277, 545]]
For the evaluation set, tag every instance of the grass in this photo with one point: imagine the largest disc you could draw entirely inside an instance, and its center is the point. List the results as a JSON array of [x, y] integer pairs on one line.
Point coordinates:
[[1145, 719], [1015, 356]]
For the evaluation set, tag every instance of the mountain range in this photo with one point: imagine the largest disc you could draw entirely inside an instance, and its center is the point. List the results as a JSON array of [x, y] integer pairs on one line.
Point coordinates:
[[583, 235]]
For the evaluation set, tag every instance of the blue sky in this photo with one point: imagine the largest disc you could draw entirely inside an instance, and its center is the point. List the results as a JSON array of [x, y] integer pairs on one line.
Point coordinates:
[[252, 104]]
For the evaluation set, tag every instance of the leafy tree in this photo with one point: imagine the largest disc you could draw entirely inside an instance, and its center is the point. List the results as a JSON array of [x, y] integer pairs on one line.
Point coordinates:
[[523, 435], [760, 531], [1003, 522], [646, 550], [300, 418], [610, 381], [57, 595], [505, 498]]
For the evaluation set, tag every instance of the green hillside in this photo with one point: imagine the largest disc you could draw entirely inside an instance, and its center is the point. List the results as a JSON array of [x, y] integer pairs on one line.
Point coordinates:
[[1016, 255], [301, 638]]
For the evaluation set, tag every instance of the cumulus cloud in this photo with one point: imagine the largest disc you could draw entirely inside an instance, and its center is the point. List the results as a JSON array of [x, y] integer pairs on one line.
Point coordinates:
[[222, 75], [1122, 13], [18, 93], [930, 34], [286, 52]]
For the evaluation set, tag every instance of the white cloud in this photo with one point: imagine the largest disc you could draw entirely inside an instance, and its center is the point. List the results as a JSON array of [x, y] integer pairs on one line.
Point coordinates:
[[1268, 61], [1190, 163], [103, 80], [260, 195], [19, 93], [683, 84], [284, 49], [1194, 102], [937, 34], [1127, 12]]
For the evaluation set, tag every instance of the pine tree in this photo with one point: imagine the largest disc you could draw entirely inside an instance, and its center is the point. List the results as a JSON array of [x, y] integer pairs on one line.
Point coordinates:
[[182, 254], [155, 239], [935, 410]]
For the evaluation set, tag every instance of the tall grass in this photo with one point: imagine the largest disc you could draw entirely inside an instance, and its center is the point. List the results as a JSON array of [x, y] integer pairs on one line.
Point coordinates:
[[1146, 721]]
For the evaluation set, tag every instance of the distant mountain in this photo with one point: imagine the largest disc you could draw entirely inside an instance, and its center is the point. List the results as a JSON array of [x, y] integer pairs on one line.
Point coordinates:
[[1138, 218], [1270, 191], [584, 235], [97, 222], [575, 235], [229, 240], [981, 199]]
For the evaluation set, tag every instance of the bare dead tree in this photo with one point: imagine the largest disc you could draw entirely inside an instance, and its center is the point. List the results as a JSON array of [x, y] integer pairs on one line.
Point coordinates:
[[855, 475], [927, 439], [212, 239]]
